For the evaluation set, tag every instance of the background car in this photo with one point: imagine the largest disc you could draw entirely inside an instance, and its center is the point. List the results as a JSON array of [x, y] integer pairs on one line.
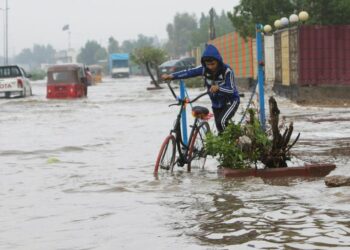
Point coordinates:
[[191, 61], [172, 66], [14, 81]]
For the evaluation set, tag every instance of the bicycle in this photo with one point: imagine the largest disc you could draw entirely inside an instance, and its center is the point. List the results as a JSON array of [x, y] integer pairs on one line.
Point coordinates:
[[194, 152]]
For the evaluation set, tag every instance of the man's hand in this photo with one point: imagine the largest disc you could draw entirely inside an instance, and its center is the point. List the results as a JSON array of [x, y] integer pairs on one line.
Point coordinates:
[[214, 89], [166, 77]]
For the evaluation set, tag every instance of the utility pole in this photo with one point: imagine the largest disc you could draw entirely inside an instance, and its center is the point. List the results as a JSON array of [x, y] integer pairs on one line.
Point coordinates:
[[69, 39], [212, 34], [3, 38], [6, 39]]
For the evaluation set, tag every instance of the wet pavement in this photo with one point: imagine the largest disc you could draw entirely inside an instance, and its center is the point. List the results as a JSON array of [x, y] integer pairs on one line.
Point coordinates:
[[77, 174]]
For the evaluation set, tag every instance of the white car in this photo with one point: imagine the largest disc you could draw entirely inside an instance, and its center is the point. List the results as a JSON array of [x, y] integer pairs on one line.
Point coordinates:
[[14, 82]]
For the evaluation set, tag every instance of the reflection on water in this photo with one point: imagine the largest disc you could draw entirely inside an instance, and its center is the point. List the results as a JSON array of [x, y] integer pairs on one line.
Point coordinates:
[[77, 174], [257, 220]]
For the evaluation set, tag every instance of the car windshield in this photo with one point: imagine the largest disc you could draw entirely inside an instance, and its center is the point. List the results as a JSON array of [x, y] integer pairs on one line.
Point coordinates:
[[9, 72], [169, 63], [189, 61], [69, 77]]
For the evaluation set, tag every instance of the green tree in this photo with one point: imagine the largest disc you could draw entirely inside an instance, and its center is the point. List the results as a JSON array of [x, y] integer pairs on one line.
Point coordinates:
[[113, 45], [325, 12], [24, 57], [92, 53], [222, 25], [43, 54], [150, 57], [142, 41], [127, 46], [180, 33], [39, 54], [50, 54], [201, 35], [101, 54], [249, 12]]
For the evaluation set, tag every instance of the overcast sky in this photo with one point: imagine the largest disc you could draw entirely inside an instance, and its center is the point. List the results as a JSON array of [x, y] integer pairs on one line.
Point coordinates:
[[41, 21]]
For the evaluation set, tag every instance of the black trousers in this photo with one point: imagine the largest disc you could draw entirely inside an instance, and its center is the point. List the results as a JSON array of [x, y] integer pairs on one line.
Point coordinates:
[[224, 114]]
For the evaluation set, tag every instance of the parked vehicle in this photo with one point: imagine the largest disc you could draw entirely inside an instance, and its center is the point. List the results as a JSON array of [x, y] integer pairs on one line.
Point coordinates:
[[119, 65], [190, 61], [172, 66], [96, 72], [14, 81], [66, 81]]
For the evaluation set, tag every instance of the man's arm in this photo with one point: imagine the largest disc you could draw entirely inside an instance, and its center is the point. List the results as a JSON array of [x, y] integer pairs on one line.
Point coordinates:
[[230, 86], [187, 73]]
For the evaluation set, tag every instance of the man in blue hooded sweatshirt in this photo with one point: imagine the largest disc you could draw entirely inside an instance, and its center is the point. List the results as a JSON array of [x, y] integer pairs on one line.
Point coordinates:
[[220, 82]]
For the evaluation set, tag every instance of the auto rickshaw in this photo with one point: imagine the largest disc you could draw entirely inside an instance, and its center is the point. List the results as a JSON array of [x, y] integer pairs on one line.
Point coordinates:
[[66, 81], [96, 72]]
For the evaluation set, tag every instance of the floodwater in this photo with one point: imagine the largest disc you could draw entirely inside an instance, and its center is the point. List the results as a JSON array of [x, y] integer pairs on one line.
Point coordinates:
[[77, 174]]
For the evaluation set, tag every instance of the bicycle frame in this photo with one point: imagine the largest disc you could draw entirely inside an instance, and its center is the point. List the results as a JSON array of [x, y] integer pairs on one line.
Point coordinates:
[[180, 145]]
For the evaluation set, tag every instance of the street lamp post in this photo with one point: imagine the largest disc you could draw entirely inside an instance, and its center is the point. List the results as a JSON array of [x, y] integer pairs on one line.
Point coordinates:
[[261, 79]]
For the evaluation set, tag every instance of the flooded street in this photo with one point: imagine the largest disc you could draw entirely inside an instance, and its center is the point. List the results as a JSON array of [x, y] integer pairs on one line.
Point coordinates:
[[78, 174]]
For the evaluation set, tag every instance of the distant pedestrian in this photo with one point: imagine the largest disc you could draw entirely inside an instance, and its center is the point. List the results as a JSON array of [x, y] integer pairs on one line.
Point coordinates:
[[88, 80]]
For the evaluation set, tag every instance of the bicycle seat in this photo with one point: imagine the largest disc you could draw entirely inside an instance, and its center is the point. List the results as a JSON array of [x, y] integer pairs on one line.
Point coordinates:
[[200, 112]]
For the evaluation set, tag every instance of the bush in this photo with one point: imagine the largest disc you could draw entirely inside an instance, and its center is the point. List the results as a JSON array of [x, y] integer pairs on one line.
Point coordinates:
[[38, 74], [232, 151], [225, 147]]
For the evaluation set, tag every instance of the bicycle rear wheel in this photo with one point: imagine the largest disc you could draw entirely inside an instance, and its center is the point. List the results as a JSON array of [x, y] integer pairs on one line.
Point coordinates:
[[196, 150], [166, 155]]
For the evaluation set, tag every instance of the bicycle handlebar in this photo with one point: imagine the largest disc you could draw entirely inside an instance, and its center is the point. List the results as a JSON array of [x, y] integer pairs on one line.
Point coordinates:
[[182, 101], [199, 96]]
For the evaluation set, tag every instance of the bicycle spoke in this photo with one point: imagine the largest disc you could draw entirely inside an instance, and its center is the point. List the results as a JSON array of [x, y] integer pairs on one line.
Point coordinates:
[[197, 152]]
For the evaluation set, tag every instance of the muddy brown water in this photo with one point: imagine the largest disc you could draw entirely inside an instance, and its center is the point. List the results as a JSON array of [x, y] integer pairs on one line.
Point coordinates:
[[77, 174]]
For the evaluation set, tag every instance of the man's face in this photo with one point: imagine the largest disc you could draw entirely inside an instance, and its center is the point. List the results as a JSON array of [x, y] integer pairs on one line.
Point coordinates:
[[212, 65]]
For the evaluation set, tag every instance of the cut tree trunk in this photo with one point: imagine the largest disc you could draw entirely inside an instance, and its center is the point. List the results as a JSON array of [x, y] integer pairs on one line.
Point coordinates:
[[279, 153], [158, 73], [154, 81]]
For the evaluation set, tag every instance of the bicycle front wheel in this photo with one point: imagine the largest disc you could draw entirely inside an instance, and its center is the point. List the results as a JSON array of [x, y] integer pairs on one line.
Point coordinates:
[[166, 155], [196, 153]]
